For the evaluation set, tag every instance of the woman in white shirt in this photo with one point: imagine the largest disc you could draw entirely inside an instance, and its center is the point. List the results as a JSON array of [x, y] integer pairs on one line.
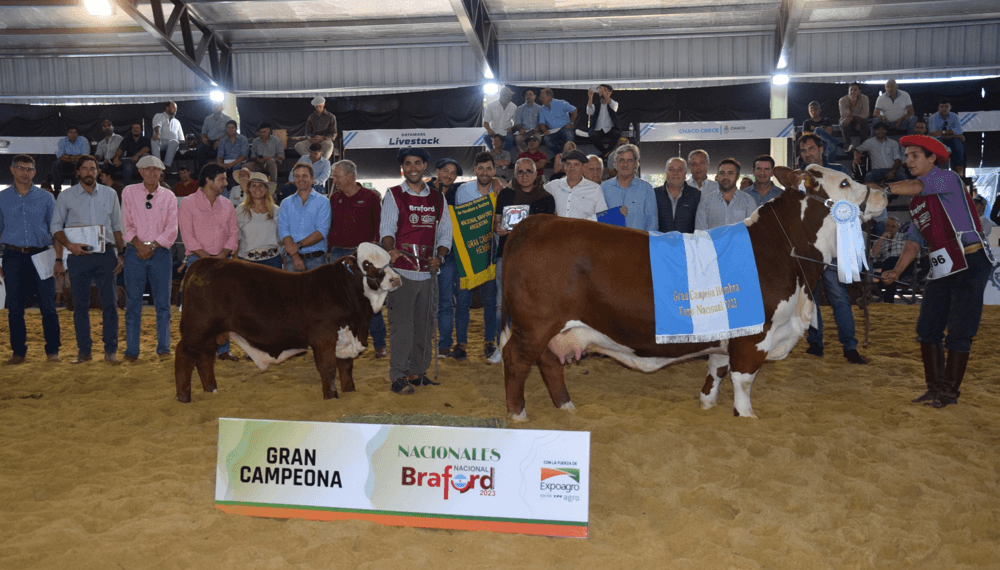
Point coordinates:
[[257, 218]]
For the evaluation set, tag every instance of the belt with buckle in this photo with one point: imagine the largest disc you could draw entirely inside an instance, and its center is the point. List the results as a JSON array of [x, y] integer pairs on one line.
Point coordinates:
[[28, 250], [973, 248]]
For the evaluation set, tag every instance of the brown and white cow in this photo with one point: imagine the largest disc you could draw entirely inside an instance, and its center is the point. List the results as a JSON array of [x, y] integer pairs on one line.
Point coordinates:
[[571, 286], [274, 315]]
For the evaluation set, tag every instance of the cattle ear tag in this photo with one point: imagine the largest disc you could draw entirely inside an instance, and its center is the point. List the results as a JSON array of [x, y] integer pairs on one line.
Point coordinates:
[[802, 187]]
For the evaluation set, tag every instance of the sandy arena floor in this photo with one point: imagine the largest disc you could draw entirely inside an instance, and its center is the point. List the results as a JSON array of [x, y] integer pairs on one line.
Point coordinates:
[[103, 469]]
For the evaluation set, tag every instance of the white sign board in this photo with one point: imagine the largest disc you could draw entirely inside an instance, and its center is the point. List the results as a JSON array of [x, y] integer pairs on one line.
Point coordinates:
[[979, 121], [396, 138], [501, 480], [28, 145], [722, 130]]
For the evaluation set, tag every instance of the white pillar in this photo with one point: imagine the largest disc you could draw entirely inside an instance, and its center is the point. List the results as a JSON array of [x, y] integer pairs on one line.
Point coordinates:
[[779, 110]]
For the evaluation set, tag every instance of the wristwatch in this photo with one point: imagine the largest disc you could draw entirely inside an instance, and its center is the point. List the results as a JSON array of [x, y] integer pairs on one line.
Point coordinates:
[[299, 245]]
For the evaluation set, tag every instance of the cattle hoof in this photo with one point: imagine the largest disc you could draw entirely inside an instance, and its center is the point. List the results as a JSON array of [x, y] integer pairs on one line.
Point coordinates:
[[184, 398], [333, 396], [521, 417], [707, 404], [568, 406]]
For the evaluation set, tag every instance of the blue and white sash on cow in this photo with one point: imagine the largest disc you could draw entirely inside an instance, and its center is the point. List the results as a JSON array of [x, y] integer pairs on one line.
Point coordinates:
[[705, 285]]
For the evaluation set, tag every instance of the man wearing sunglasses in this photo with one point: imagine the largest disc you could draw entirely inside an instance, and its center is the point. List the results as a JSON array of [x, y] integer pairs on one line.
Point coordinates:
[[25, 215], [149, 227], [90, 204]]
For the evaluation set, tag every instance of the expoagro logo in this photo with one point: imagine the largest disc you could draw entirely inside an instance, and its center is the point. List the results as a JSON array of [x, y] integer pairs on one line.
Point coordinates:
[[550, 483]]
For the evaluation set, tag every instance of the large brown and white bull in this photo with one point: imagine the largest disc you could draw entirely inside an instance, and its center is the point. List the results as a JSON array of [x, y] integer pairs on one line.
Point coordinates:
[[571, 286], [274, 315]]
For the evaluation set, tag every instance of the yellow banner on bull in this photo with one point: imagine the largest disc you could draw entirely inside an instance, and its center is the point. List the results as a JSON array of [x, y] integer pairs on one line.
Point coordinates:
[[472, 229]]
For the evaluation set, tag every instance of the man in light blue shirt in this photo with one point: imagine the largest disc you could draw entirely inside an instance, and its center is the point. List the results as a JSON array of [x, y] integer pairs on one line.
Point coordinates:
[[724, 205], [68, 150], [212, 131], [555, 120], [526, 120], [945, 126], [633, 194], [304, 222], [233, 150], [763, 189]]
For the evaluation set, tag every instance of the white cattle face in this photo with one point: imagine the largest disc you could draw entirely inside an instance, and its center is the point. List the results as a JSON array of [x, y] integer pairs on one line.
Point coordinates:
[[380, 278]]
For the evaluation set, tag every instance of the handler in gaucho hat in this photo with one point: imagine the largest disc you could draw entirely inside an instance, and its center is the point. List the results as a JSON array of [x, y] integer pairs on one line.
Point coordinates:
[[416, 231], [944, 219]]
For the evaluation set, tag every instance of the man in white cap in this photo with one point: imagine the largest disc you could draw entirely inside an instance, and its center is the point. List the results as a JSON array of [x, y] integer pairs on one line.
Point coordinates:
[[498, 117], [149, 228], [321, 127]]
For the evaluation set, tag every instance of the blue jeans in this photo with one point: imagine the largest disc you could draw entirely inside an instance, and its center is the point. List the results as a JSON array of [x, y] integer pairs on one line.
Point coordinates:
[[96, 268], [21, 280], [878, 174], [128, 167], [377, 326], [155, 270], [957, 151], [274, 262], [488, 293], [843, 315], [225, 347], [556, 139], [312, 263], [169, 146], [447, 319], [830, 144]]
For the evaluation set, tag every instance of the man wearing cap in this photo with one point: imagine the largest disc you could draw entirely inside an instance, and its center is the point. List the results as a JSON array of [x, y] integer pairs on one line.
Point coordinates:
[[213, 129], [91, 204], [207, 223], [448, 170], [943, 218], [498, 117], [576, 197], [628, 191], [526, 119], [321, 128], [604, 131], [25, 218], [167, 133], [149, 227], [948, 129], [555, 120], [895, 108], [304, 222], [266, 152], [233, 149], [416, 231], [355, 214], [885, 154]]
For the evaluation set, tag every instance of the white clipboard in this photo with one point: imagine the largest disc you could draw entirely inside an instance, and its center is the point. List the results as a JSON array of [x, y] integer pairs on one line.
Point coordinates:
[[44, 262], [92, 236]]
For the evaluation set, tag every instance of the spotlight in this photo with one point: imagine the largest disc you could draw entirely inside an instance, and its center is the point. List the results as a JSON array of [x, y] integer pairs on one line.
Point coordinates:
[[780, 79], [217, 96]]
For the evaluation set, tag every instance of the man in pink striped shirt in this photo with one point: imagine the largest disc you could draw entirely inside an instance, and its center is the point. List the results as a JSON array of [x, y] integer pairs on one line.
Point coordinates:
[[208, 224], [149, 227]]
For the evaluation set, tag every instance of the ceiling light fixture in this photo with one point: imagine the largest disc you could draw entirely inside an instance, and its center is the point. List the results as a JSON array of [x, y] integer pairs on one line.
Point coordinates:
[[98, 7], [780, 79]]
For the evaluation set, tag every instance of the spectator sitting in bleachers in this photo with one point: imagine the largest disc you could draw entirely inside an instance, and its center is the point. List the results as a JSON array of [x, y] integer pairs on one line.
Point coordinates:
[[501, 158], [69, 149], [555, 120], [557, 166], [266, 152], [213, 129], [895, 108], [498, 117], [526, 120], [823, 128], [131, 149], [854, 111], [233, 150], [187, 185], [107, 146], [321, 172], [885, 254], [920, 127], [167, 134], [321, 129], [886, 156], [945, 126], [984, 219], [535, 154]]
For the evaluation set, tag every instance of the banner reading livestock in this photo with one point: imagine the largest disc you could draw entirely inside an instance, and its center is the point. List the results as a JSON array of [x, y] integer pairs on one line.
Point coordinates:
[[472, 229], [516, 481]]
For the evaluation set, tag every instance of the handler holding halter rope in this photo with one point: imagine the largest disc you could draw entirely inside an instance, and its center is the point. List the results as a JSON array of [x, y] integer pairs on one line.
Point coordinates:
[[943, 217], [416, 231]]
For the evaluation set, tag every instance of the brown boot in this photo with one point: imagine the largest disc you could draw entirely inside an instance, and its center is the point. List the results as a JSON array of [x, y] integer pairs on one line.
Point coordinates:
[[933, 357], [954, 372]]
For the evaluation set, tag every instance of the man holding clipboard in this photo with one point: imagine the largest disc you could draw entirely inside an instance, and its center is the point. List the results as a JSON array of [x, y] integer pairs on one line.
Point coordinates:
[[25, 214], [95, 205]]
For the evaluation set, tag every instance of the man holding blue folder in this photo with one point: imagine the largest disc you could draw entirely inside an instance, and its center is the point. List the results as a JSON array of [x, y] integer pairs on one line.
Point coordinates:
[[634, 195]]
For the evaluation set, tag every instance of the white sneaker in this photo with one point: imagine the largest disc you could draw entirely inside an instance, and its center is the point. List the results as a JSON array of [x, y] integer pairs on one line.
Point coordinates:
[[495, 357]]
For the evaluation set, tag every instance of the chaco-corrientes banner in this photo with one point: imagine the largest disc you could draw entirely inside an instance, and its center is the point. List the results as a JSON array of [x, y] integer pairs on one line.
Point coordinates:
[[472, 229], [516, 481], [717, 130]]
